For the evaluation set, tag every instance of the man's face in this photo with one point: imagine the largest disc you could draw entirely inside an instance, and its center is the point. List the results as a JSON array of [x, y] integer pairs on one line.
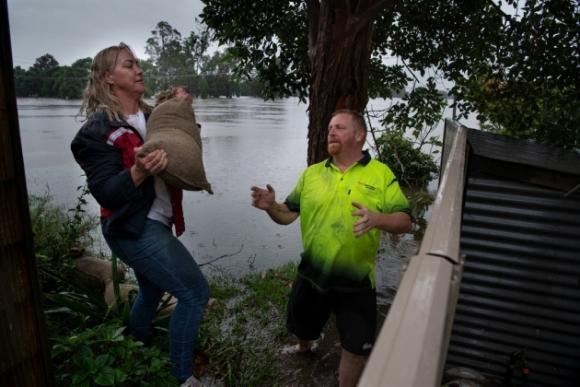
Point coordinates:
[[343, 135]]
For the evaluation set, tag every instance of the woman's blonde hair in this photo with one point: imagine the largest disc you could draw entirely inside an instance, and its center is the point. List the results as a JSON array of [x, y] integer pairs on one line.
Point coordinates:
[[97, 95]]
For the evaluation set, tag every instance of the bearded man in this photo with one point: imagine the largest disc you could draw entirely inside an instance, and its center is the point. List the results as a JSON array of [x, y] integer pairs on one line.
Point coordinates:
[[344, 203]]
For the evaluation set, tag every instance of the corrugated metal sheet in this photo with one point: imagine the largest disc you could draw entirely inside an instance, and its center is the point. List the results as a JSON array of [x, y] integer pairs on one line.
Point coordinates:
[[521, 282]]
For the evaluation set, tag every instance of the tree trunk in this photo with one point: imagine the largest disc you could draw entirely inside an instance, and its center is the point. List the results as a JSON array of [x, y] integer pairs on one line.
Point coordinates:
[[340, 67], [24, 345]]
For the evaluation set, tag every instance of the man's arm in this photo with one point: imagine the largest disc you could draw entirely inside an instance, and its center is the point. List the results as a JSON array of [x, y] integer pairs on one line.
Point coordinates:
[[281, 214], [396, 223], [265, 199]]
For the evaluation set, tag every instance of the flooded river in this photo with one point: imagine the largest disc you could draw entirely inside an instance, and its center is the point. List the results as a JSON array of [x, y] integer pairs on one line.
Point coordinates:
[[247, 141]]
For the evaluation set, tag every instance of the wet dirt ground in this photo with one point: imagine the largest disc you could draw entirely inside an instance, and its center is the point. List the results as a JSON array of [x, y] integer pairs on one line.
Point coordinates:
[[318, 368]]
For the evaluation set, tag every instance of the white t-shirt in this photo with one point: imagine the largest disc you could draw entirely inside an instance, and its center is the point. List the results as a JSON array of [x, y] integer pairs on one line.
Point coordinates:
[[161, 209]]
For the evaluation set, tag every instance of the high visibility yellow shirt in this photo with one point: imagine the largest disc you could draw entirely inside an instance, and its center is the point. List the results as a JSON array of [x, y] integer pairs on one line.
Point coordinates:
[[333, 258]]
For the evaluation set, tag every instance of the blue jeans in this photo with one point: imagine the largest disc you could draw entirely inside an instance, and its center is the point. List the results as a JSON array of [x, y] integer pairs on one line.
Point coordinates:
[[162, 264]]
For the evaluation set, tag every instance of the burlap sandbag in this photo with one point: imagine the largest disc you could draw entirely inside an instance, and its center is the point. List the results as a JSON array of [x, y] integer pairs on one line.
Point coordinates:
[[98, 269], [128, 291], [172, 127]]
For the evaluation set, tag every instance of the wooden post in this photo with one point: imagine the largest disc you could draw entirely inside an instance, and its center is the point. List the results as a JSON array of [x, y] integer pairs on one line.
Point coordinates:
[[24, 356]]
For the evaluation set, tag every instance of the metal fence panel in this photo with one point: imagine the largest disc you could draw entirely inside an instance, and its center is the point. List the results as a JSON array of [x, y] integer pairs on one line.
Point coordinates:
[[520, 288]]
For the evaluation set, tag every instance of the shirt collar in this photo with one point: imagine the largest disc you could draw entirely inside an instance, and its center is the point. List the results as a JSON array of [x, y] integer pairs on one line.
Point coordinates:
[[364, 160]]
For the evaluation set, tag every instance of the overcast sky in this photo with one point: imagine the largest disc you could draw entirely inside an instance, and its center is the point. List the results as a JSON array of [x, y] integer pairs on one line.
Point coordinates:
[[75, 29]]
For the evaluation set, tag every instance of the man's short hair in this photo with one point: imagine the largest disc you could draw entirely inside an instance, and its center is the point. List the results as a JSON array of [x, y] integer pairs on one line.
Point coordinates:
[[357, 117]]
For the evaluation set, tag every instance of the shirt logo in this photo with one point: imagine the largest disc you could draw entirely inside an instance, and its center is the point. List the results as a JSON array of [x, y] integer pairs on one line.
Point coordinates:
[[367, 186]]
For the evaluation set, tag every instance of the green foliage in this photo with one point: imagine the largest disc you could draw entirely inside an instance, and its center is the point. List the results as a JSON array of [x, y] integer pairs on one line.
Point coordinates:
[[408, 146], [173, 61], [45, 63], [413, 168], [185, 61], [518, 69], [104, 356], [421, 108], [165, 49], [59, 234], [541, 111], [71, 80], [94, 352], [530, 89], [408, 125], [47, 79], [269, 39]]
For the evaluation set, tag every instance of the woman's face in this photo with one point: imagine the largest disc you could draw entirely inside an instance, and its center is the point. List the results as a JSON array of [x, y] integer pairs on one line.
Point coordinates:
[[126, 76]]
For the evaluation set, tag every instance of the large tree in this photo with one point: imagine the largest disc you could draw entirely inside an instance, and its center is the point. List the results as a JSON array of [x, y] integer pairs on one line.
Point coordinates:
[[166, 50], [333, 51], [42, 75]]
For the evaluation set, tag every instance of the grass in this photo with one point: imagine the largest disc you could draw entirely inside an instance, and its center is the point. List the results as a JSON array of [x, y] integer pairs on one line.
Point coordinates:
[[242, 333]]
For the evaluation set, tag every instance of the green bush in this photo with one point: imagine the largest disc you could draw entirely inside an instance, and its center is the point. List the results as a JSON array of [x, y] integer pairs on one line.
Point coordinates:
[[413, 168], [104, 356], [59, 234]]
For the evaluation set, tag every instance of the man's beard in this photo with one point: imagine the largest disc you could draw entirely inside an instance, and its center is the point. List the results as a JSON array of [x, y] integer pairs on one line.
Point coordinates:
[[334, 148]]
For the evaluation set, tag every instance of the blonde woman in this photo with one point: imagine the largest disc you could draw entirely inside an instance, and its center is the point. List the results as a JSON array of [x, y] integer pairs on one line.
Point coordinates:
[[138, 209]]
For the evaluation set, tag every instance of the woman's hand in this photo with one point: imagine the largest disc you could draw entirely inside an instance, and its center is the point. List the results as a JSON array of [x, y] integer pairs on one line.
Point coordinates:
[[151, 164], [180, 92]]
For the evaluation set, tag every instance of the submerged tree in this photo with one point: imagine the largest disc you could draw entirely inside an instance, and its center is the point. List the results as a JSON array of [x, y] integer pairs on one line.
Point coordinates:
[[186, 61], [333, 51], [42, 74], [165, 50], [46, 78]]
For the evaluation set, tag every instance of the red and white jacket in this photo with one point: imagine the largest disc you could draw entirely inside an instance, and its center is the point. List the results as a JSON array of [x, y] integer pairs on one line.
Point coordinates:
[[104, 149]]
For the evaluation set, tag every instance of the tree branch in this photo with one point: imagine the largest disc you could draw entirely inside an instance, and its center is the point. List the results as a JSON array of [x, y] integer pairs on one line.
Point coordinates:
[[221, 257], [410, 70]]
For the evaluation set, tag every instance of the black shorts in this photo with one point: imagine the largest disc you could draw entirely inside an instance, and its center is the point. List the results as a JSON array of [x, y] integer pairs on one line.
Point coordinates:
[[356, 315]]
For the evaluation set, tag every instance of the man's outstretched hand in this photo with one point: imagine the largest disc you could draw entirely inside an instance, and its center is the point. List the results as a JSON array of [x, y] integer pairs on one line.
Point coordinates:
[[263, 198]]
